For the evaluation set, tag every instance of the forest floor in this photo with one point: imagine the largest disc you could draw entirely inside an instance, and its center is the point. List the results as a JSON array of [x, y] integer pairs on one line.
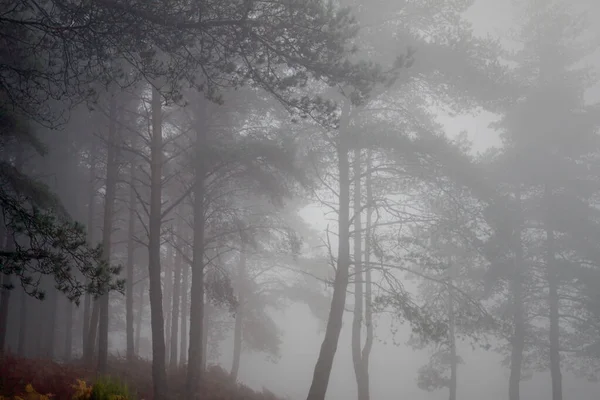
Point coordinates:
[[37, 379]]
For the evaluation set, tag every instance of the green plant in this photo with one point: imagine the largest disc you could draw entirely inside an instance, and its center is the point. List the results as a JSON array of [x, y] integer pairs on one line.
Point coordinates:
[[107, 388]]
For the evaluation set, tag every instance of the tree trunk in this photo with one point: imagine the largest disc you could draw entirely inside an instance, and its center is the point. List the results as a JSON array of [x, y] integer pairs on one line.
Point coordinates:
[[322, 371], [4, 303], [518, 337], [90, 348], [51, 323], [366, 351], [208, 309], [357, 315], [112, 173], [553, 302], [175, 310], [197, 289], [90, 237], [157, 321], [168, 285], [452, 335], [69, 331], [239, 315], [130, 352], [184, 307], [138, 317], [23, 322]]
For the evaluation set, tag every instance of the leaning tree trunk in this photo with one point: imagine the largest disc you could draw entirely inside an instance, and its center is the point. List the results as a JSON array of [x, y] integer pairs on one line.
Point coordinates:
[[184, 307], [112, 172], [175, 310], [130, 352], [322, 371], [239, 315], [197, 290], [518, 337], [553, 302], [159, 376], [357, 315]]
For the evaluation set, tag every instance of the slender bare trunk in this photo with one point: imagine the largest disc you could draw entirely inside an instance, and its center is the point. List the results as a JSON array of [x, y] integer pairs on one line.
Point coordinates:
[[239, 315], [90, 237], [184, 307], [452, 335], [130, 265], [92, 336], [322, 371], [168, 285], [69, 331], [208, 309], [175, 311], [112, 172], [23, 324], [357, 316], [553, 302], [197, 290], [368, 346], [157, 321], [518, 337], [4, 303], [138, 318], [51, 323]]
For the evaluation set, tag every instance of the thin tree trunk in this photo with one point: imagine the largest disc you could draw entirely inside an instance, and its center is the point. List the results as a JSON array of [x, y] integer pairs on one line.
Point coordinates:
[[452, 335], [368, 346], [159, 376], [51, 323], [23, 322], [239, 315], [138, 317], [130, 352], [184, 307], [518, 337], [553, 302], [197, 290], [90, 237], [4, 303], [69, 331], [112, 172], [175, 311], [168, 285], [322, 371], [208, 309], [357, 315]]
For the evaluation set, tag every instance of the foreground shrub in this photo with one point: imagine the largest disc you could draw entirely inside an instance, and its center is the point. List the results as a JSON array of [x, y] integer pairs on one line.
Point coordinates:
[[108, 388]]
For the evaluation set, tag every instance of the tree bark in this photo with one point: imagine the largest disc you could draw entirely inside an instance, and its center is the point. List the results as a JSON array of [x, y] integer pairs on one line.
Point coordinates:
[[112, 173], [553, 302], [138, 317], [452, 335], [90, 236], [184, 307], [357, 315], [69, 331], [175, 311], [239, 315], [92, 337], [23, 324], [197, 289], [518, 337], [157, 321], [368, 346], [168, 285], [322, 371], [130, 352]]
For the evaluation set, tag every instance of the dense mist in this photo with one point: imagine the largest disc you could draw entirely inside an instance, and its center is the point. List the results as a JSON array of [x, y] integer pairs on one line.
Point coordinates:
[[300, 199]]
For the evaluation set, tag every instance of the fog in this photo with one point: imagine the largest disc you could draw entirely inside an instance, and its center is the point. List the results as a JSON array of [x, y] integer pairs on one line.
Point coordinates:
[[316, 199]]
